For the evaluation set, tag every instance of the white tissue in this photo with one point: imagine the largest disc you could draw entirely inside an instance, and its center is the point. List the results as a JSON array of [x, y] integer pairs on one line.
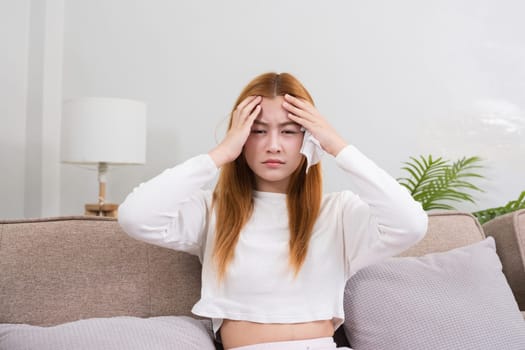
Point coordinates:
[[311, 149]]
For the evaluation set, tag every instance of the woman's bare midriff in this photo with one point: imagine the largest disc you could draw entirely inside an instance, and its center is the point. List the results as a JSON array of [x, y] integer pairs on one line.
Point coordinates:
[[242, 333]]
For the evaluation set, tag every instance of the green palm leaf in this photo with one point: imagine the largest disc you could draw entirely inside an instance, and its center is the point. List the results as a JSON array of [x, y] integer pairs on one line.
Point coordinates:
[[435, 181], [489, 214], [422, 171]]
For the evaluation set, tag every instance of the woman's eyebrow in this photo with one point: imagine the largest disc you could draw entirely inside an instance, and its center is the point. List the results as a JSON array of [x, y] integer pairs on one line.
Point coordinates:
[[260, 122]]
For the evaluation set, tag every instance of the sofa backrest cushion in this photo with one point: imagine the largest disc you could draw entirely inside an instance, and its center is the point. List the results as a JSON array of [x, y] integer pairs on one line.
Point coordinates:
[[509, 231], [57, 270], [63, 269], [447, 230]]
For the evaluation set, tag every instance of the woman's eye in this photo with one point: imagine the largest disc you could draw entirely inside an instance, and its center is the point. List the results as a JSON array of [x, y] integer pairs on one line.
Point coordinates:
[[291, 132], [257, 131]]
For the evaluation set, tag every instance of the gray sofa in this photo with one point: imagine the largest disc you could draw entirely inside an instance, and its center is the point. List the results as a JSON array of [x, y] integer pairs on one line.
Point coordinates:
[[57, 271]]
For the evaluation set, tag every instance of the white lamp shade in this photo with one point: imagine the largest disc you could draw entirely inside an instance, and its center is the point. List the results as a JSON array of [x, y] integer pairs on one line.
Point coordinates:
[[104, 130]]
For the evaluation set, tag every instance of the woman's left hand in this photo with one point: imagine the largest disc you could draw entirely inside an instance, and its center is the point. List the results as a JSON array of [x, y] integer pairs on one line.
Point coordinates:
[[304, 113]]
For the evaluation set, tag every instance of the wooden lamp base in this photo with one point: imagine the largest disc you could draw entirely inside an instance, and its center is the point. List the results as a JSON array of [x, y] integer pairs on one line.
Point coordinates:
[[106, 209], [102, 208]]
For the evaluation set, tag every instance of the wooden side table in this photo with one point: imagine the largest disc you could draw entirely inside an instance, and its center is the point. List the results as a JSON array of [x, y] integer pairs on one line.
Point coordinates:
[[106, 209]]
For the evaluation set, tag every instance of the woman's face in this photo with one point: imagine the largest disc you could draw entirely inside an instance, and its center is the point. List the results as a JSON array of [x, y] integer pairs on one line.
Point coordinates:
[[272, 149]]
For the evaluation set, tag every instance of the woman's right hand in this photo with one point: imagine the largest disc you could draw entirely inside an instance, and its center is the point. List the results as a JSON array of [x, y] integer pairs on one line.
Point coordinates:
[[242, 119]]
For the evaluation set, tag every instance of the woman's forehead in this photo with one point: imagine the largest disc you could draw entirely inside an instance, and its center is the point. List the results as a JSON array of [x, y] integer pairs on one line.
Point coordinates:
[[272, 112]]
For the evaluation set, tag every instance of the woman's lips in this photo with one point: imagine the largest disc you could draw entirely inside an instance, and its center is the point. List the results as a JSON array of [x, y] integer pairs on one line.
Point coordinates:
[[273, 163]]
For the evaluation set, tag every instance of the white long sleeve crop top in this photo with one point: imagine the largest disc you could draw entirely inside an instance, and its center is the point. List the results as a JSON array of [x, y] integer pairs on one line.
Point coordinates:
[[353, 230]]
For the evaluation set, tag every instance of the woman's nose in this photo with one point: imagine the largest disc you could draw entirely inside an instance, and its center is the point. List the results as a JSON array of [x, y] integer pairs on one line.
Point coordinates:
[[274, 142]]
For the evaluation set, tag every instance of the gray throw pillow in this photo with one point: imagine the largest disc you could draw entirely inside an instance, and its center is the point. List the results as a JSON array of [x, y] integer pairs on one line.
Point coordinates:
[[457, 299], [126, 333]]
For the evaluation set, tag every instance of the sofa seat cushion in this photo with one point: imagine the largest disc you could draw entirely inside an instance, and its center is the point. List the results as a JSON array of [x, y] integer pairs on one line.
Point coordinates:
[[126, 333], [458, 299]]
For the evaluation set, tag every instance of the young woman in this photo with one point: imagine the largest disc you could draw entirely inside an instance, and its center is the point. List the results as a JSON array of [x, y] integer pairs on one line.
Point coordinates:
[[276, 253]]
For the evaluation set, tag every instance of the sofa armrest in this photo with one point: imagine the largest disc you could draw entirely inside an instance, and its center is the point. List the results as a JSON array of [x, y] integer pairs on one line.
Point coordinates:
[[509, 233]]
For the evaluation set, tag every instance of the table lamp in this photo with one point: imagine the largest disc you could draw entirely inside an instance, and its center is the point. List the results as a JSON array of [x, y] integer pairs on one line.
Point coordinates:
[[103, 131]]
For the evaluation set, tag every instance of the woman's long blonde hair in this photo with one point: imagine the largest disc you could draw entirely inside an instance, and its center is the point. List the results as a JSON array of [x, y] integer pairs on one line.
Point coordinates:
[[233, 194]]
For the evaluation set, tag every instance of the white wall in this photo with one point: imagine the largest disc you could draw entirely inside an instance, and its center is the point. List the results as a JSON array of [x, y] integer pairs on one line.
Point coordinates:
[[396, 78], [31, 99], [43, 108], [14, 24]]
